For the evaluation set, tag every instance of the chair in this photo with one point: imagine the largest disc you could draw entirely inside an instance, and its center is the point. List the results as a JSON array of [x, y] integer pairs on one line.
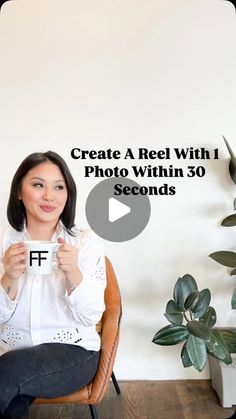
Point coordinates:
[[93, 393]]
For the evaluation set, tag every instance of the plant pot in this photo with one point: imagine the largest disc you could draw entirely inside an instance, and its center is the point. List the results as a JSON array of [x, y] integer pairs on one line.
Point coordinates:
[[223, 380]]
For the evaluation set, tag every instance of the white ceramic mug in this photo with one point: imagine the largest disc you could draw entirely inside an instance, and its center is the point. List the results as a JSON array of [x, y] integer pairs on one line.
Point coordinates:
[[41, 256]]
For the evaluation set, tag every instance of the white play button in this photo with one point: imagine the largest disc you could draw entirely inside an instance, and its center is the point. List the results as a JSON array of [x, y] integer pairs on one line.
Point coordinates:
[[117, 210], [117, 217]]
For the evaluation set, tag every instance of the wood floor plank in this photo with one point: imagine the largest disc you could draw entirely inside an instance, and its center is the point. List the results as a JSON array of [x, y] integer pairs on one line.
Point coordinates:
[[179, 399]]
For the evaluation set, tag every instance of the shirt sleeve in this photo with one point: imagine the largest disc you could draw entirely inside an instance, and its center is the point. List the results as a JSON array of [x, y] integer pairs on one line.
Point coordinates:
[[86, 302], [7, 306]]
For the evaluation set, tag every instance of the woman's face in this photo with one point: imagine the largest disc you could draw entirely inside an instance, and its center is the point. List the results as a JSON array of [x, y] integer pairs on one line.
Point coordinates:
[[44, 193]]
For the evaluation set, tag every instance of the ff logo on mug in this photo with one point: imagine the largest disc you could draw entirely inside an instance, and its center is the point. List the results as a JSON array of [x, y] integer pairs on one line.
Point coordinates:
[[41, 256], [36, 255]]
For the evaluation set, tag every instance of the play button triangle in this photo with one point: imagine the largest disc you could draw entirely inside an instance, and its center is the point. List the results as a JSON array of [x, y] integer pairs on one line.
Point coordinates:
[[117, 210], [115, 214]]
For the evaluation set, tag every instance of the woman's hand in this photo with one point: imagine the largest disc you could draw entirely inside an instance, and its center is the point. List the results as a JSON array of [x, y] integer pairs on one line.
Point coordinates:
[[14, 265], [67, 256], [14, 260]]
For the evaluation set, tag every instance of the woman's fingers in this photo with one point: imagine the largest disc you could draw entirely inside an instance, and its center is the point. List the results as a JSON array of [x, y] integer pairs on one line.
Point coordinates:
[[14, 260], [15, 253], [16, 249], [67, 257]]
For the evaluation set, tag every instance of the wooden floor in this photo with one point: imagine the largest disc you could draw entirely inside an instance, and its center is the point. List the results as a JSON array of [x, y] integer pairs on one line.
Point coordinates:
[[183, 399]]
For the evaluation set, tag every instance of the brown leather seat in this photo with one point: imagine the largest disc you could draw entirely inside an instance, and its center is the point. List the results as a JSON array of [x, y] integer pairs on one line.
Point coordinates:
[[93, 393]]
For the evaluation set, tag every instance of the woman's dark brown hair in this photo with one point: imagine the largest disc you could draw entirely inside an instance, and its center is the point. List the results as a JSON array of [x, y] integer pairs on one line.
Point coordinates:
[[16, 212]]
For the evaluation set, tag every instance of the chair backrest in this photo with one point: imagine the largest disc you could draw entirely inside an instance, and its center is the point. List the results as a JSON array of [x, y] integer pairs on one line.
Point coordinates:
[[110, 324], [109, 336]]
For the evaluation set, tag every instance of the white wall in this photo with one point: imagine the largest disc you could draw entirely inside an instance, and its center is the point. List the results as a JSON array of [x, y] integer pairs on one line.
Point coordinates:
[[102, 74]]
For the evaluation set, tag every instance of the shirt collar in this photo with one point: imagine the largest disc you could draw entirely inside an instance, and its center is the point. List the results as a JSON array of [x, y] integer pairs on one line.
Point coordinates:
[[26, 235]]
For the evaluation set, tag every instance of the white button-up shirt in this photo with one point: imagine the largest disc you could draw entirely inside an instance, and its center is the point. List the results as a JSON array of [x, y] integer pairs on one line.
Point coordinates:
[[43, 311]]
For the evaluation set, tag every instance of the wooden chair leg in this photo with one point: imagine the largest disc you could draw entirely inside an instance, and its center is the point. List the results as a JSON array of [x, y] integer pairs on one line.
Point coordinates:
[[233, 416], [93, 411], [116, 385]]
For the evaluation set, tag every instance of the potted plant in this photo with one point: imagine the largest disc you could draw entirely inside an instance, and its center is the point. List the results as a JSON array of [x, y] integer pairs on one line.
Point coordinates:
[[221, 376], [192, 318], [228, 258], [192, 321]]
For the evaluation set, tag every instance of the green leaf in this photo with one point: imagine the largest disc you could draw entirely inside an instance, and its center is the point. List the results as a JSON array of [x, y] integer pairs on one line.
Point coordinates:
[[232, 163], [186, 361], [232, 170], [198, 329], [229, 148], [197, 352], [233, 300], [173, 314], [192, 300], [204, 300], [233, 272], [225, 258], [183, 287], [170, 335], [230, 339], [229, 221], [209, 318], [217, 347]]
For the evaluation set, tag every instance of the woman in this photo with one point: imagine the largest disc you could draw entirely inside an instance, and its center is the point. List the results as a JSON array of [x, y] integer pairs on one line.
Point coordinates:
[[49, 345]]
